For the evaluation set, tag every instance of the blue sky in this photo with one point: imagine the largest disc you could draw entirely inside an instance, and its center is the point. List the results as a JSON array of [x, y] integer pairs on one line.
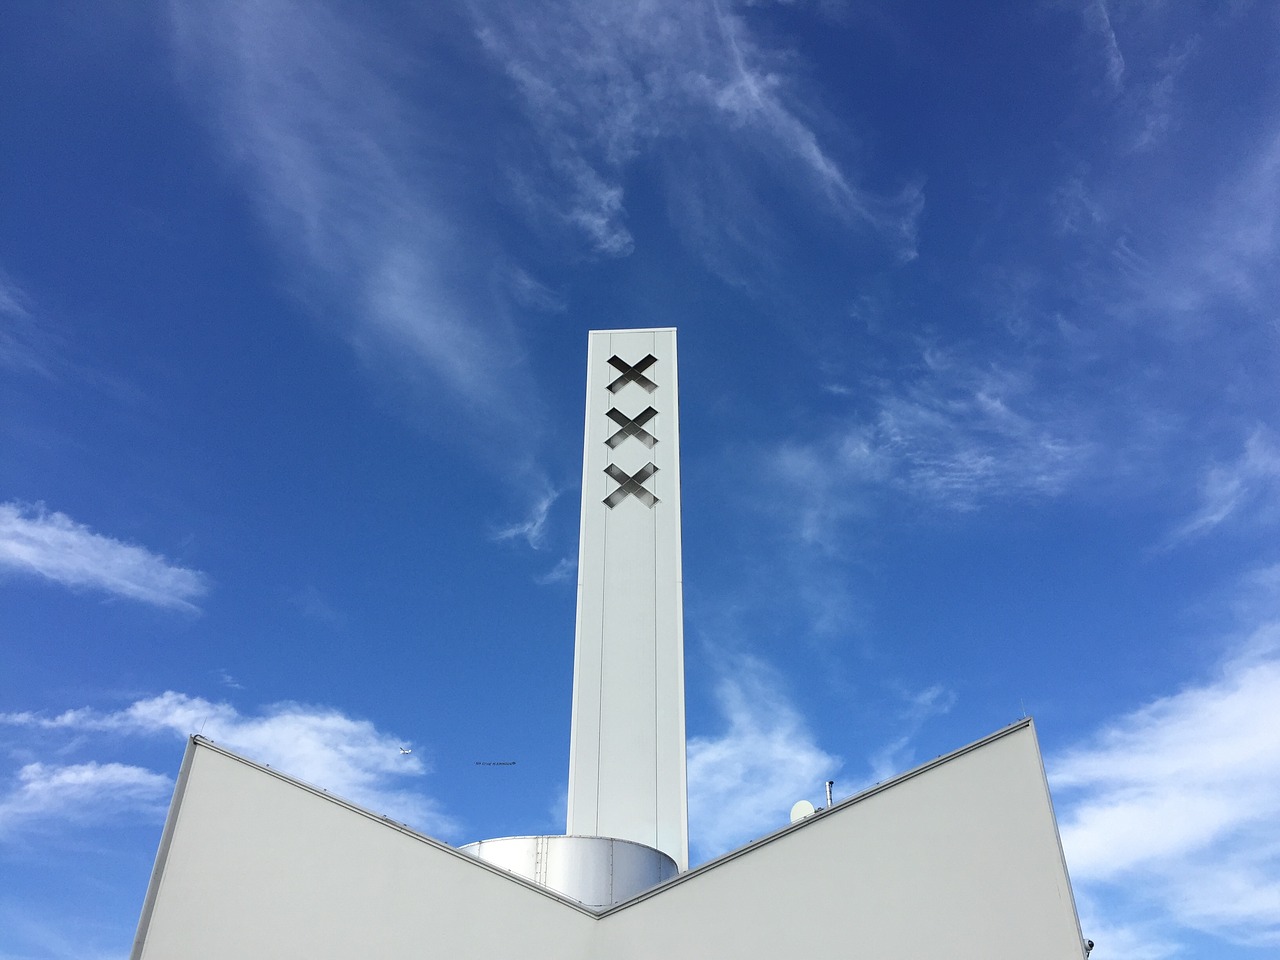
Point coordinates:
[[980, 355]]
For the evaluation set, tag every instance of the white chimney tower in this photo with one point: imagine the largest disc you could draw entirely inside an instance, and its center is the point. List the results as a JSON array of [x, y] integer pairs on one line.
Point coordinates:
[[627, 748], [628, 820]]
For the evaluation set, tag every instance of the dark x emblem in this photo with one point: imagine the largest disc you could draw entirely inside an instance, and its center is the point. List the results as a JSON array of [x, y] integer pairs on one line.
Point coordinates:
[[629, 427], [630, 486], [629, 374]]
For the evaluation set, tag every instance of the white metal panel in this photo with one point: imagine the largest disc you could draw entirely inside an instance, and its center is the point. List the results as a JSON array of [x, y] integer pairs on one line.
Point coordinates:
[[258, 867], [627, 747], [960, 859]]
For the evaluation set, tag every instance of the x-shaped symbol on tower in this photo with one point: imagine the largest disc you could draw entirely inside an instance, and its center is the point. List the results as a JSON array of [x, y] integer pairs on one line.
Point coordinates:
[[632, 374], [632, 427], [630, 486]]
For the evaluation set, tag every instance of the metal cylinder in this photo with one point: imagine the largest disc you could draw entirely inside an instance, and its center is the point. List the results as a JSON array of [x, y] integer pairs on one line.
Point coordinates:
[[595, 871]]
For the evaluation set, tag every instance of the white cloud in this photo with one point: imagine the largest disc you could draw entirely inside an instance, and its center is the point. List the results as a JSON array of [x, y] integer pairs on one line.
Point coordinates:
[[743, 782], [532, 293], [52, 545], [22, 345], [349, 758], [33, 343], [1176, 806], [1156, 107], [953, 436], [1249, 485], [825, 480], [957, 436], [1076, 208], [897, 756], [562, 572], [1185, 258], [968, 434], [347, 173], [313, 605], [605, 80], [13, 301], [1131, 940], [1192, 264], [1097, 17], [39, 930], [532, 529], [82, 793], [1230, 249]]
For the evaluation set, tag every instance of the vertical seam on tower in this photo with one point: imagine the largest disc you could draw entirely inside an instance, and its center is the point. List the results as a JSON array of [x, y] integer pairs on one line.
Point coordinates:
[[657, 694], [604, 565]]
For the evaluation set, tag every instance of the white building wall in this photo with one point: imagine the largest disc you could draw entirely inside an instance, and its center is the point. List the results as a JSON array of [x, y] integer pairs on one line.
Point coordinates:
[[958, 859], [258, 867], [627, 746]]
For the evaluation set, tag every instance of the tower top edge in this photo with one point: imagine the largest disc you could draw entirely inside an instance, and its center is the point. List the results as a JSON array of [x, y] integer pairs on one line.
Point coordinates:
[[635, 330]]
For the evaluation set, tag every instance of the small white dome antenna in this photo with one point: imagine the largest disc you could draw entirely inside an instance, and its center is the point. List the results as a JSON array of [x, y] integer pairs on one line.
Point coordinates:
[[801, 809]]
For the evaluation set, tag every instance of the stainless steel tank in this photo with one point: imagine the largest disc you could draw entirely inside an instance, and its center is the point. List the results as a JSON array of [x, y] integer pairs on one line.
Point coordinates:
[[595, 871]]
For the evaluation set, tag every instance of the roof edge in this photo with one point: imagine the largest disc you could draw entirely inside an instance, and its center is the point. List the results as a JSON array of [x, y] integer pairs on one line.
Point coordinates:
[[197, 741], [807, 821], [635, 330]]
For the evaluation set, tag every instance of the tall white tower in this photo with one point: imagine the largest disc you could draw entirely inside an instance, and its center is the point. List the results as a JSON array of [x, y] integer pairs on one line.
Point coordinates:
[[958, 858], [628, 822], [627, 747]]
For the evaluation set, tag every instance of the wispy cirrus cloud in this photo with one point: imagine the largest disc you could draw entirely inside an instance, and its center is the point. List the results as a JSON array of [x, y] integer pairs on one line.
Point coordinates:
[[956, 435], [315, 606], [1180, 257], [348, 757], [22, 346], [1172, 811], [1238, 247], [950, 436], [1097, 17], [1248, 485], [605, 83], [1181, 264], [1074, 206], [969, 434], [35, 344], [37, 542], [349, 175], [918, 708], [533, 294], [36, 930], [1156, 106], [533, 528], [562, 572], [1219, 257], [82, 793], [743, 781]]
